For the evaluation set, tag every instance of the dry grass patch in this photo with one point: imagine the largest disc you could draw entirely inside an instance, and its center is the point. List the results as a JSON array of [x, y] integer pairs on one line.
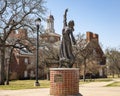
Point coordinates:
[[25, 84]]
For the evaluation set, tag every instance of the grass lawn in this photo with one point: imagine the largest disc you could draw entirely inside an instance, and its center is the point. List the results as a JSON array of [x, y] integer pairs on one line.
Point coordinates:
[[29, 84], [97, 80], [115, 84], [103, 79], [25, 84]]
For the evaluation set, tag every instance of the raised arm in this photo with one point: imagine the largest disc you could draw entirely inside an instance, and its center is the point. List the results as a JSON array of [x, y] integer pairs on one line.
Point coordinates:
[[65, 18]]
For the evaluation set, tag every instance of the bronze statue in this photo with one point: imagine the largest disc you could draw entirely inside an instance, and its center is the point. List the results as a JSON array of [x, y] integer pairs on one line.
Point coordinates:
[[66, 56]]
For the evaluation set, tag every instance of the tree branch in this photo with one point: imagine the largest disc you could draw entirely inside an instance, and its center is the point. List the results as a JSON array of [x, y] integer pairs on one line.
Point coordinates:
[[4, 8]]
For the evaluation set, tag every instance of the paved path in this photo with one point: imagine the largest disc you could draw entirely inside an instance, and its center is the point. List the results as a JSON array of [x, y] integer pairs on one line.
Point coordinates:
[[90, 89], [99, 89]]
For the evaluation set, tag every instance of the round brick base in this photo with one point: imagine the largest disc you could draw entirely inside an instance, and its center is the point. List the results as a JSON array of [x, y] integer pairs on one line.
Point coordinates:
[[64, 82]]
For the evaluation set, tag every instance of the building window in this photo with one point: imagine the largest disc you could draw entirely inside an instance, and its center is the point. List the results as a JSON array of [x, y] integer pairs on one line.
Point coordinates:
[[16, 32], [52, 39], [32, 75], [25, 74], [26, 60]]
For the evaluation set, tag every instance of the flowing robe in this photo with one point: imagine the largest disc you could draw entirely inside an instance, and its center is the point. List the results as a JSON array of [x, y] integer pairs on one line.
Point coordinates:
[[66, 46]]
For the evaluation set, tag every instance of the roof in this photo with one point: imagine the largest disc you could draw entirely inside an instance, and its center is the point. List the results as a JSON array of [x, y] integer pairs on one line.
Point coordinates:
[[25, 52], [51, 34], [51, 16]]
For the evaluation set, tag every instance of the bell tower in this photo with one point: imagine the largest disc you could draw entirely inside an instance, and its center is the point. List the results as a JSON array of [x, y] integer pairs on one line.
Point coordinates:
[[50, 24], [50, 36]]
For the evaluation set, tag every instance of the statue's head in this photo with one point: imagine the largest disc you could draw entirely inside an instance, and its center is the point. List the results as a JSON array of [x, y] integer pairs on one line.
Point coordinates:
[[71, 24]]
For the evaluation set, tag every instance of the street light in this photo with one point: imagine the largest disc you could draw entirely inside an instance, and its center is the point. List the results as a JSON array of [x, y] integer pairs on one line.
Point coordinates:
[[37, 23]]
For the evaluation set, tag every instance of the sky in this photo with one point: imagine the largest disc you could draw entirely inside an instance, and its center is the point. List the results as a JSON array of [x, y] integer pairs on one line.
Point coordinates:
[[98, 16]]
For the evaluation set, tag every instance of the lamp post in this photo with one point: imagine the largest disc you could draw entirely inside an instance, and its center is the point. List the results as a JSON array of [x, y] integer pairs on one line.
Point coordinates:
[[37, 23]]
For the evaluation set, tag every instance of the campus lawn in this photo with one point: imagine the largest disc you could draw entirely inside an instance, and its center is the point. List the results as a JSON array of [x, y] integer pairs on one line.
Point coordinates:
[[103, 79], [114, 84], [25, 84], [29, 84], [97, 80]]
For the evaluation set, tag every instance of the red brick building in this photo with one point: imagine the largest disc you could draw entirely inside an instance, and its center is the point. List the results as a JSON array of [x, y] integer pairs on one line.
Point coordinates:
[[99, 57], [20, 61], [23, 61], [93, 39], [20, 58]]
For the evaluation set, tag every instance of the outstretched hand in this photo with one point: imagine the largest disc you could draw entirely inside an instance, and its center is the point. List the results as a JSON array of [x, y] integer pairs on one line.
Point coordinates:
[[66, 10]]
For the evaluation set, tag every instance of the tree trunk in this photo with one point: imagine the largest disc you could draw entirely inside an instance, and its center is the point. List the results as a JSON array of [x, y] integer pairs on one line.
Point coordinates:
[[119, 74], [7, 74], [8, 67], [48, 76], [2, 81], [113, 75], [84, 70]]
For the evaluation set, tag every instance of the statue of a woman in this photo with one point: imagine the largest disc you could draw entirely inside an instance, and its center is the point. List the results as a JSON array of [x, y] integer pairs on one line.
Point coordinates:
[[66, 55]]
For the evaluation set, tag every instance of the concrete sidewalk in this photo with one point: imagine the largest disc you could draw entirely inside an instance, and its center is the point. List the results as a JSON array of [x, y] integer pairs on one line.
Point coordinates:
[[90, 89]]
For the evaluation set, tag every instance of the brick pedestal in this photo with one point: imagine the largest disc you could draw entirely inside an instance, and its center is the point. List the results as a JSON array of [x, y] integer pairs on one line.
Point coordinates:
[[64, 82]]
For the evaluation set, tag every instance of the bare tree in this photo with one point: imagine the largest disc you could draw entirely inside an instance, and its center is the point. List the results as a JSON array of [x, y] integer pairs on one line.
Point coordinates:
[[49, 57], [15, 14], [113, 61], [3, 8], [82, 52], [85, 52]]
